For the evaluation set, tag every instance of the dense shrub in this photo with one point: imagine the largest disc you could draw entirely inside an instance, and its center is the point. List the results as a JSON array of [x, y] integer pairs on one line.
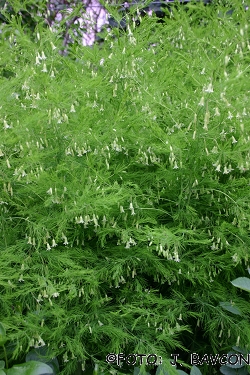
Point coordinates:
[[125, 190]]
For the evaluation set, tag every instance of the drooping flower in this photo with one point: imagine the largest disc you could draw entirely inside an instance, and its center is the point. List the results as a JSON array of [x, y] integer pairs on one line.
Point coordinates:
[[209, 88]]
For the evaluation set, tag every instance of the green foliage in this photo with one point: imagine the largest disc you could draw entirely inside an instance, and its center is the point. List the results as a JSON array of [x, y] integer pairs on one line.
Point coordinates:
[[31, 367], [29, 13], [124, 209], [240, 367], [237, 363], [242, 283], [163, 371]]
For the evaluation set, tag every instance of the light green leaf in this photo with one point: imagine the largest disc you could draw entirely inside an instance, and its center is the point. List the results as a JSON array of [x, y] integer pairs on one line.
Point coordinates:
[[239, 350], [167, 368], [2, 372], [242, 283], [234, 361], [30, 368], [227, 370], [161, 371], [181, 372], [195, 371], [231, 371], [2, 364], [230, 307], [43, 355], [140, 371]]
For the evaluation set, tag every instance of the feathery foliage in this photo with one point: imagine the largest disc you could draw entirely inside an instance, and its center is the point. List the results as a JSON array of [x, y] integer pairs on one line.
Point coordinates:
[[125, 189]]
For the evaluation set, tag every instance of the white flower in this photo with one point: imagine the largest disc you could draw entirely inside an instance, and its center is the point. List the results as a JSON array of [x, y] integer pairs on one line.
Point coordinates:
[[39, 298], [132, 40], [65, 118], [79, 220], [206, 120], [44, 69], [65, 239], [54, 244], [217, 113], [65, 357], [72, 108], [50, 192], [38, 57], [130, 242], [176, 256], [43, 57], [15, 95], [132, 208], [53, 46], [218, 168], [236, 258], [95, 221], [209, 88], [175, 165], [40, 342], [5, 125], [241, 168], [227, 59], [25, 86], [233, 140], [201, 103]]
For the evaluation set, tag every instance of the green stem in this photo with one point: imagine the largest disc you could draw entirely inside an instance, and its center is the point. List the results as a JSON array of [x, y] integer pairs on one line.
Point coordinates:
[[6, 359]]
